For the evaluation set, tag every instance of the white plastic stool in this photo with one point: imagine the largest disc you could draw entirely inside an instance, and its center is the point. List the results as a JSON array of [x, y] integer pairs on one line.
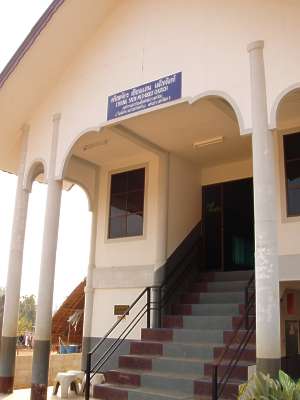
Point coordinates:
[[66, 380]]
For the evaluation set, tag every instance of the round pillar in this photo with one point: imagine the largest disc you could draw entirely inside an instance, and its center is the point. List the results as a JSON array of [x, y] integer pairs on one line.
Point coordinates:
[[268, 344], [14, 274], [42, 338]]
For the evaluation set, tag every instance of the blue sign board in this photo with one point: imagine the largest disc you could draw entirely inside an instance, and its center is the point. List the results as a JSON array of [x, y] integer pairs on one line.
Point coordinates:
[[148, 95]]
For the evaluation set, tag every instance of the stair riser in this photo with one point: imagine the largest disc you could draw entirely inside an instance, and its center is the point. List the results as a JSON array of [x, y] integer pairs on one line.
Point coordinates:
[[212, 298], [239, 372], [146, 348], [228, 335], [105, 393], [160, 335], [231, 286], [205, 388], [227, 276], [135, 363], [237, 320], [118, 378], [206, 309], [198, 322], [247, 355]]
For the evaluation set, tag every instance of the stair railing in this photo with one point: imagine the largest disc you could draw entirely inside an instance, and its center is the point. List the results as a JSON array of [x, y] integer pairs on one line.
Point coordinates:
[[155, 298], [219, 381]]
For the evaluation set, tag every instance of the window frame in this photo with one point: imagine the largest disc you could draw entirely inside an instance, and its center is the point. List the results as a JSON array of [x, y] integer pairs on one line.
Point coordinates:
[[110, 173], [289, 216]]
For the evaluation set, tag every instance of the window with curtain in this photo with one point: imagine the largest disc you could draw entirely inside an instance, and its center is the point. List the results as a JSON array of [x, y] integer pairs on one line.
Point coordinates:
[[126, 213], [291, 145]]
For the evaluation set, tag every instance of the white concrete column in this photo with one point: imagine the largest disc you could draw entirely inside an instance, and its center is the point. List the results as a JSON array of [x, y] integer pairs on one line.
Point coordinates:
[[265, 218], [161, 233], [14, 274], [47, 272], [89, 291], [162, 214]]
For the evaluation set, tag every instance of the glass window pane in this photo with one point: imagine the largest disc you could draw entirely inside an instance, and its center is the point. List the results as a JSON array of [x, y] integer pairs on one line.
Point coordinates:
[[293, 172], [118, 205], [136, 179], [293, 201], [134, 225], [117, 227], [291, 146], [119, 183], [127, 197], [135, 202]]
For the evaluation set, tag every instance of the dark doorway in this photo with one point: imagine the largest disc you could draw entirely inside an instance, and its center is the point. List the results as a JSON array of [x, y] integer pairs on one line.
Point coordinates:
[[229, 225]]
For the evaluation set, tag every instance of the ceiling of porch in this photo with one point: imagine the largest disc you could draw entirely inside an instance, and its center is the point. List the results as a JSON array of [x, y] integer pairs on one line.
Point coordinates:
[[174, 129]]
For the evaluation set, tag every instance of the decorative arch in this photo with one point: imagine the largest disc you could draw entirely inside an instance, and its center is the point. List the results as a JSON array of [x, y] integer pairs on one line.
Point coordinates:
[[225, 96], [85, 190], [278, 100], [68, 154], [191, 100], [37, 167]]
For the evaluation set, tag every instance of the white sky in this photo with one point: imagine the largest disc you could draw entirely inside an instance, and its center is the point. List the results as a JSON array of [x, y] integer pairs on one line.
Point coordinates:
[[16, 19]]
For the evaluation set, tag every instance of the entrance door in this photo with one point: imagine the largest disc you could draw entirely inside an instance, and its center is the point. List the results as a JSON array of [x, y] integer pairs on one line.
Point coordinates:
[[229, 225], [292, 338]]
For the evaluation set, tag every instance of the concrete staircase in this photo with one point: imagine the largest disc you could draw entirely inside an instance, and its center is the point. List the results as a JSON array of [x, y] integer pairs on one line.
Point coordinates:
[[175, 362]]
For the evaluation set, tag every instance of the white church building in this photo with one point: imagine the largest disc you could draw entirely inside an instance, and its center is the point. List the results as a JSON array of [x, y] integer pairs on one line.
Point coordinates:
[[181, 122]]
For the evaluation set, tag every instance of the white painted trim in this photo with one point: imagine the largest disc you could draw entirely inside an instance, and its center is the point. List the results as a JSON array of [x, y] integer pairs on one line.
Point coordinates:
[[108, 240], [276, 104], [190, 100], [38, 166]]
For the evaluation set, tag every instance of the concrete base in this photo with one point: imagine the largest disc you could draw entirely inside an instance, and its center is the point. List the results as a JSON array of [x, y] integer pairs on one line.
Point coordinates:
[[40, 364], [7, 363], [38, 392], [270, 366], [6, 384]]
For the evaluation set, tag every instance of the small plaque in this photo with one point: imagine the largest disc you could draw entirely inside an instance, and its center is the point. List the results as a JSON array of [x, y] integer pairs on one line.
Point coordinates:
[[121, 309]]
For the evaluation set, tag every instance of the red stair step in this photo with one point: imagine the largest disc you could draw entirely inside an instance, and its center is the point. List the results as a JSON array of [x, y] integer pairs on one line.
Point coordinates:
[[135, 362], [239, 372], [143, 347], [204, 387], [247, 355], [190, 298], [182, 309], [104, 392], [227, 335], [160, 335], [173, 321], [122, 378]]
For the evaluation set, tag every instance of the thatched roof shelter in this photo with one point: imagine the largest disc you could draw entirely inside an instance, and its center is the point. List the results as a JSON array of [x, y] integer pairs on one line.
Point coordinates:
[[71, 310]]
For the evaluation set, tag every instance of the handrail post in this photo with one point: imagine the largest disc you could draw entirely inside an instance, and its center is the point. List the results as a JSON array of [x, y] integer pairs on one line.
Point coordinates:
[[148, 307], [88, 377], [246, 308], [215, 383], [159, 305]]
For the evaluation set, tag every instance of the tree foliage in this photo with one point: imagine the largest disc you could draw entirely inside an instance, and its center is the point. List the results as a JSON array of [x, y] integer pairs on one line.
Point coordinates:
[[27, 313]]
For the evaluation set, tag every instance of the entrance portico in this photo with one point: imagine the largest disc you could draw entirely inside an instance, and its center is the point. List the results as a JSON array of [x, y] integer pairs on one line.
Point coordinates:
[[182, 146], [144, 173]]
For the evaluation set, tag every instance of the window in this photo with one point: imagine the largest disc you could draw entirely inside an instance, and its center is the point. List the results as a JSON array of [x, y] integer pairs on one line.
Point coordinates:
[[126, 212], [291, 144]]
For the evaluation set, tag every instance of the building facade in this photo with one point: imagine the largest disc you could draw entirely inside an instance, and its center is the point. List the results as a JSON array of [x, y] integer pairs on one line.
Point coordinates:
[[152, 108]]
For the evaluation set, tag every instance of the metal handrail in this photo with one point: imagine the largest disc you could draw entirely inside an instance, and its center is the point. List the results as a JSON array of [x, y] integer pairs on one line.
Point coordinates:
[[219, 383], [164, 293]]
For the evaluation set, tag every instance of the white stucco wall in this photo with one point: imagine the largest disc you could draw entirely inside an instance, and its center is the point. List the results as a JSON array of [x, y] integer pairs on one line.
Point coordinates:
[[184, 210], [132, 53], [141, 41]]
